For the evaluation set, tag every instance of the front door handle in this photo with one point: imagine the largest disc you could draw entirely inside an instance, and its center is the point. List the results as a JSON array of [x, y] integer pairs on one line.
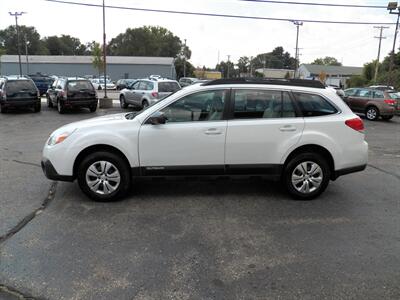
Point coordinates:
[[287, 128], [213, 131]]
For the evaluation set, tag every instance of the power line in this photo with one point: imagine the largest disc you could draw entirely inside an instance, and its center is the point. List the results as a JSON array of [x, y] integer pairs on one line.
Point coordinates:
[[221, 15], [318, 4]]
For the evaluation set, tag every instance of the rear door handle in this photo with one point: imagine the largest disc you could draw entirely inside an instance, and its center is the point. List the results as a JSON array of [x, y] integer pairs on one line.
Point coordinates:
[[213, 131], [288, 128]]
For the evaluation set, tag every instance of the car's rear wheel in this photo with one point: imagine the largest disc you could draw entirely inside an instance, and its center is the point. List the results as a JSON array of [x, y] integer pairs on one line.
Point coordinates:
[[306, 176], [93, 107], [37, 107], [122, 102], [372, 113], [104, 176], [145, 104], [60, 107], [3, 109], [387, 118], [49, 103]]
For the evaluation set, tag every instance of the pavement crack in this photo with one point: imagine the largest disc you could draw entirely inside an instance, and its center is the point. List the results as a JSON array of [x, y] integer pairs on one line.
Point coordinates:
[[11, 291], [26, 163], [21, 224], [384, 171]]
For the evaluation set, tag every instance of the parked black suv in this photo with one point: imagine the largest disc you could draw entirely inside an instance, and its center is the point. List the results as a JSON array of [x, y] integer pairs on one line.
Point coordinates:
[[18, 91], [42, 82], [72, 92]]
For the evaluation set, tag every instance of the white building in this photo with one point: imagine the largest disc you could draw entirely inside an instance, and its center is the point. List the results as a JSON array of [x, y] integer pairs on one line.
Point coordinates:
[[275, 73], [335, 75]]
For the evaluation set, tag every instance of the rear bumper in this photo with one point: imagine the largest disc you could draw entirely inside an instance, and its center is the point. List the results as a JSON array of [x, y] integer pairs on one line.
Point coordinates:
[[51, 173], [19, 103], [80, 102], [346, 171]]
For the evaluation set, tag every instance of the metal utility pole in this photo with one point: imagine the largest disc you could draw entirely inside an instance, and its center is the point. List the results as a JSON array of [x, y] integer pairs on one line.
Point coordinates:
[[16, 15], [26, 55], [394, 10], [104, 50], [380, 37], [184, 59], [298, 24], [227, 73]]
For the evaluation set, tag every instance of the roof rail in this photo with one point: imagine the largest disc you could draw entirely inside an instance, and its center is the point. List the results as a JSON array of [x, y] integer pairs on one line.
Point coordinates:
[[270, 81]]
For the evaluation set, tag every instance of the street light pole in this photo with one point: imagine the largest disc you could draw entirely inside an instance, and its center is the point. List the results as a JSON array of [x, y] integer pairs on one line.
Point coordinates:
[[26, 55], [381, 37], [298, 24], [184, 59], [16, 15], [227, 75], [104, 51], [394, 10]]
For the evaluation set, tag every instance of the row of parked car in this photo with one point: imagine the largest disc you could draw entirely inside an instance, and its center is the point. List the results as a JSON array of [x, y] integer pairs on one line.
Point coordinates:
[[68, 92]]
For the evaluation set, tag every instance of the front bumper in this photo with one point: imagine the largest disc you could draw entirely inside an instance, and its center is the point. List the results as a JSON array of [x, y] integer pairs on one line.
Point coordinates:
[[51, 173]]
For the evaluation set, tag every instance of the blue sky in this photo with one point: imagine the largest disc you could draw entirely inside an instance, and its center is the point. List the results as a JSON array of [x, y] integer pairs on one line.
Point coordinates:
[[206, 36]]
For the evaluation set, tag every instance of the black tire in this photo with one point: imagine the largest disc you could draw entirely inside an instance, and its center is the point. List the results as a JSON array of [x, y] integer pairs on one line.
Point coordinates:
[[37, 108], [3, 109], [60, 107], [49, 102], [308, 159], [145, 104], [93, 107], [387, 118], [116, 162], [122, 102], [372, 113], [99, 88]]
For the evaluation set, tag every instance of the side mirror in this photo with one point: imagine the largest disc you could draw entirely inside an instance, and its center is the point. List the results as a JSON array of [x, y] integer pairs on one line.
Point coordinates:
[[157, 118]]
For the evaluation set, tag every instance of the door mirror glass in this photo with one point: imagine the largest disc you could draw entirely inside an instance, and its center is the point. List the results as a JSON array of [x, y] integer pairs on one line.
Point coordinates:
[[157, 118]]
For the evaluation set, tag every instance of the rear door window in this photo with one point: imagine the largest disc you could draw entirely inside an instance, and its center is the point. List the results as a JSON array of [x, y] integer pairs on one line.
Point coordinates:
[[379, 95], [312, 105], [168, 87], [262, 104], [364, 93]]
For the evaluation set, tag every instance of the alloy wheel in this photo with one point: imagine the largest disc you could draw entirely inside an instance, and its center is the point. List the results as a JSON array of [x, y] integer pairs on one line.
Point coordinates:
[[307, 177], [102, 177]]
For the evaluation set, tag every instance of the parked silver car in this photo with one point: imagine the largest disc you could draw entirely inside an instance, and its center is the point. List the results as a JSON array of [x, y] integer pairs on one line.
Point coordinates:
[[186, 81], [145, 92]]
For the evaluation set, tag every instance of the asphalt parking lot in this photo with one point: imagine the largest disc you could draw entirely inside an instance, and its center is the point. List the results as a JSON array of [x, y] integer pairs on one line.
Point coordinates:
[[224, 239]]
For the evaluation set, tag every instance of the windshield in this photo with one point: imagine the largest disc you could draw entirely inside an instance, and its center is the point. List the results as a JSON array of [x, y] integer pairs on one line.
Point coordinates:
[[79, 85], [15, 86]]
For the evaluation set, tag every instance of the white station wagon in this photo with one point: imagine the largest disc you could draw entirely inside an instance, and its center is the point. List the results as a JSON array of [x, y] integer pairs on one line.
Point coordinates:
[[295, 131]]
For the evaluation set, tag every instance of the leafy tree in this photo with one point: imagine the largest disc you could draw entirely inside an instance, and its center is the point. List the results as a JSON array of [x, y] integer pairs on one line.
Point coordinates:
[[326, 61], [356, 81], [223, 68], [8, 40], [244, 64], [147, 41], [277, 59], [97, 59], [65, 45], [179, 62]]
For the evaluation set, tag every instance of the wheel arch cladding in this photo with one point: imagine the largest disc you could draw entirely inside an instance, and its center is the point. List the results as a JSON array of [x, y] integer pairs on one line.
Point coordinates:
[[313, 149], [97, 148]]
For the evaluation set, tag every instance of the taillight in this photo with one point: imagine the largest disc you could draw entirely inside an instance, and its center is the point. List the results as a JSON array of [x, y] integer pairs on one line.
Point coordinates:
[[390, 101], [356, 124], [154, 94]]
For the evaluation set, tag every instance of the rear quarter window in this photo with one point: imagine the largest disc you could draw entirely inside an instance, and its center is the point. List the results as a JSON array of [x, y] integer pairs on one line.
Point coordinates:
[[168, 87], [312, 105]]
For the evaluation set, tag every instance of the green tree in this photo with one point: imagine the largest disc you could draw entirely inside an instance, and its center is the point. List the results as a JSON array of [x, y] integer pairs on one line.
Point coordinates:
[[244, 64], [277, 59], [147, 41], [97, 58], [223, 67], [179, 62], [8, 40], [65, 45], [326, 61]]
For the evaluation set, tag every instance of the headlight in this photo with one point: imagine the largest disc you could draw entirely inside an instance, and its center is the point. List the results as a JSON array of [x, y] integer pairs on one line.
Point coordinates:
[[59, 138]]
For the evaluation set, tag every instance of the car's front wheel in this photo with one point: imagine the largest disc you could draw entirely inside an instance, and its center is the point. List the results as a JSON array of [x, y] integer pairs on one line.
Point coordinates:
[[49, 102], [306, 176], [104, 176], [60, 107], [122, 102], [37, 107]]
